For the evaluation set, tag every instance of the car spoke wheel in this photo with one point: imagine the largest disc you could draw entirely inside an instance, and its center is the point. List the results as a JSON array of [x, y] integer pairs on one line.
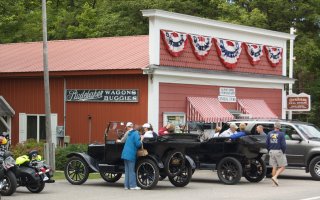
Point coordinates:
[[110, 177], [10, 184], [229, 171], [147, 174], [174, 163], [183, 178], [254, 170], [76, 171], [314, 168]]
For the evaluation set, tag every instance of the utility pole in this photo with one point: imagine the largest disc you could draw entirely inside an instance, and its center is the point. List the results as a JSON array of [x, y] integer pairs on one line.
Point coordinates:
[[291, 59], [49, 146]]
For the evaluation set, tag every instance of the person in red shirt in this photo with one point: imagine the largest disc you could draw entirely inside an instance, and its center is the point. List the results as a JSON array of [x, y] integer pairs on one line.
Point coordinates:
[[169, 128]]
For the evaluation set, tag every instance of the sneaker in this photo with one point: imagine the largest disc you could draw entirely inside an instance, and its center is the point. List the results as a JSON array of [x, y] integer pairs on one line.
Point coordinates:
[[135, 188], [275, 181], [126, 188]]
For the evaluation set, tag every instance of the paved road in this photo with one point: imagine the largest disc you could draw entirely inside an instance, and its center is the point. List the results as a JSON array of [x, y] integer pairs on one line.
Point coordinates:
[[205, 185]]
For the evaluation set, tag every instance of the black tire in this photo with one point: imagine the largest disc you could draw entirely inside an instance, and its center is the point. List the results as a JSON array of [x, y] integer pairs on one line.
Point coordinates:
[[147, 173], [10, 184], [254, 170], [110, 177], [76, 171], [183, 178], [229, 170], [36, 188], [174, 163], [314, 168]]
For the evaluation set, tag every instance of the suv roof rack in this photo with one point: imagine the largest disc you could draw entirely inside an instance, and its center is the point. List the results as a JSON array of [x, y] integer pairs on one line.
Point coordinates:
[[271, 120]]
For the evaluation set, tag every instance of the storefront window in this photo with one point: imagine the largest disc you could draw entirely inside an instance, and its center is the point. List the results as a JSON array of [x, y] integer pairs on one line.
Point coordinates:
[[176, 118]]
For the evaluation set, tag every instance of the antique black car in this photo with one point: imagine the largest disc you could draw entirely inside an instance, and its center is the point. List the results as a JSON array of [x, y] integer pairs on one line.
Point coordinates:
[[166, 156], [231, 159]]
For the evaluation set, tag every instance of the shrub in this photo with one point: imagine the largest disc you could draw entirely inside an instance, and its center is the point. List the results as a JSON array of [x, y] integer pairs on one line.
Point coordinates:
[[25, 147], [62, 152]]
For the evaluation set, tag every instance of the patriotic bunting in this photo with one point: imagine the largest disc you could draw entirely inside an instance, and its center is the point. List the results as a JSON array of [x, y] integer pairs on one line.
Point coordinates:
[[201, 45], [274, 55], [255, 51], [175, 42], [229, 51]]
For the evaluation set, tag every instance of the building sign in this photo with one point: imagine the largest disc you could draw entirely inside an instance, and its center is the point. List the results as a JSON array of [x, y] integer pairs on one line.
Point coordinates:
[[299, 102], [101, 95], [227, 94], [227, 99]]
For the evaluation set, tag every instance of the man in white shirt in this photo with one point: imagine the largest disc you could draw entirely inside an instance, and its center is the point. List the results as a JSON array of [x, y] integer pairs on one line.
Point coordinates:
[[232, 130]]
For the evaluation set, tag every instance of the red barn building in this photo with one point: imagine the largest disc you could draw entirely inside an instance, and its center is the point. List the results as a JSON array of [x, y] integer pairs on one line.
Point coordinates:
[[187, 69]]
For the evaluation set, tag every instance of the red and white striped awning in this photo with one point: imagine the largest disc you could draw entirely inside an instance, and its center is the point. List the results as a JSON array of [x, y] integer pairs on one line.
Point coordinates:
[[206, 109], [256, 108]]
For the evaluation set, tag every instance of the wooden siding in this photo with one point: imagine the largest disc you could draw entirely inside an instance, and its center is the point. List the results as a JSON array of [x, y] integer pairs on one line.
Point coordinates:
[[77, 119], [26, 95], [212, 61], [173, 97]]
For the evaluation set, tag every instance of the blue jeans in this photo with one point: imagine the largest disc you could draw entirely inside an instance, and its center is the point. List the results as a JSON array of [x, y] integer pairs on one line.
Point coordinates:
[[130, 174]]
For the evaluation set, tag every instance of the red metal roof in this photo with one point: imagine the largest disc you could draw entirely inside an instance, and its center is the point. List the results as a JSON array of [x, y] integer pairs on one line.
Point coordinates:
[[207, 109], [257, 108], [130, 52]]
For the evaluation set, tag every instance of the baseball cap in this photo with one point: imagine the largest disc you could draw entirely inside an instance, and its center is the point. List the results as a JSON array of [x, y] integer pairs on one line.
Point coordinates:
[[129, 124], [146, 125], [233, 125], [277, 125]]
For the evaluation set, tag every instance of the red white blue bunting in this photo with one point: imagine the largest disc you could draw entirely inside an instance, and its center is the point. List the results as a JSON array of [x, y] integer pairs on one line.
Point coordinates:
[[254, 51], [229, 51], [274, 55], [175, 42], [201, 45]]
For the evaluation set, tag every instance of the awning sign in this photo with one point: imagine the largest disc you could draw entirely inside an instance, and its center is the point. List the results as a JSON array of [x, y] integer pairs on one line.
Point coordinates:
[[298, 102], [101, 95], [227, 99], [231, 92], [227, 94]]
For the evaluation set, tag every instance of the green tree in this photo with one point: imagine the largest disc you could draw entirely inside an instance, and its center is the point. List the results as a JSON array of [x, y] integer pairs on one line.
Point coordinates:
[[20, 21]]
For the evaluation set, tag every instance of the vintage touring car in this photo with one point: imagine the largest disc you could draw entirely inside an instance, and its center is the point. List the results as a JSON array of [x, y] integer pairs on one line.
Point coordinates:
[[174, 155]]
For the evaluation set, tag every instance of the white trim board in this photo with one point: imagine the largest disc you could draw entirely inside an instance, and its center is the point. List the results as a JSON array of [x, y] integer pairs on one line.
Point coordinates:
[[183, 18]]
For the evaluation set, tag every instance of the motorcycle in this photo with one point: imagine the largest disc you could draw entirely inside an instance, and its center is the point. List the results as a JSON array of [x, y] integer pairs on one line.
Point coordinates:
[[8, 181], [32, 172], [34, 160], [29, 173]]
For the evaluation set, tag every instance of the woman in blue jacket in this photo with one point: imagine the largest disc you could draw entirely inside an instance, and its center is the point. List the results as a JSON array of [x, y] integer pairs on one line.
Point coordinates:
[[129, 155]]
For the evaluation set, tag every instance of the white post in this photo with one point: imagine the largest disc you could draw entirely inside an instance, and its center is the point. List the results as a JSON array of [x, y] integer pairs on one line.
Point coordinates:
[[291, 59]]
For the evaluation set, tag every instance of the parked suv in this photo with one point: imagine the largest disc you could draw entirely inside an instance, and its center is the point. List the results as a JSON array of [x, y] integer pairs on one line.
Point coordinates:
[[303, 142]]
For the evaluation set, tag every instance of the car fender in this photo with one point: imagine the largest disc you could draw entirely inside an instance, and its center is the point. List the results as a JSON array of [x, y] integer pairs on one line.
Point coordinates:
[[92, 163], [190, 161], [156, 160], [310, 155]]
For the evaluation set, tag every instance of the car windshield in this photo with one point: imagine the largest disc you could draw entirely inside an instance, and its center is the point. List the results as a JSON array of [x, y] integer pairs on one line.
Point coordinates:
[[311, 131]]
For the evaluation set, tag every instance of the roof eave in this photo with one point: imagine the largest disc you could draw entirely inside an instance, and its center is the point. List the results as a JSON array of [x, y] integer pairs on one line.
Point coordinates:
[[216, 24], [71, 73]]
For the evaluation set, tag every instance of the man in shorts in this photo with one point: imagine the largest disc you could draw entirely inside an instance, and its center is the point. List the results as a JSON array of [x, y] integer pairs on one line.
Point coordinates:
[[276, 145]]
